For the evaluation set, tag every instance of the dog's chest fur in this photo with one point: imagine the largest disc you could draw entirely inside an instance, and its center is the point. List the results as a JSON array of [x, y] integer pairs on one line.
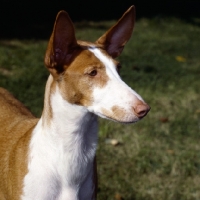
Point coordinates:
[[60, 164]]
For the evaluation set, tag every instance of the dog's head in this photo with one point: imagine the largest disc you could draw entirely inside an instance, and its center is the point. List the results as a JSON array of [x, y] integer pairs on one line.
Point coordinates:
[[86, 73]]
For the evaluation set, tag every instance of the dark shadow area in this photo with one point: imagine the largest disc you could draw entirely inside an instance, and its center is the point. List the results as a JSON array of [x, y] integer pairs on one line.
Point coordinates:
[[34, 19]]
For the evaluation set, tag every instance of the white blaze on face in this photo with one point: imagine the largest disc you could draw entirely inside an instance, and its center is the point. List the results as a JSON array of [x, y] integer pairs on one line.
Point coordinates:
[[116, 100]]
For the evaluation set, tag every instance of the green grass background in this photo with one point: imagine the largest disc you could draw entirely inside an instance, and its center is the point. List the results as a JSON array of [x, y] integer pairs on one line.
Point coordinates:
[[159, 157]]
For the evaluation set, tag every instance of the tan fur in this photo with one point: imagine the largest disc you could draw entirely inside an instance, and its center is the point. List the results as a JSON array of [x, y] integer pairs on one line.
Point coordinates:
[[17, 123], [77, 84], [47, 111], [116, 113]]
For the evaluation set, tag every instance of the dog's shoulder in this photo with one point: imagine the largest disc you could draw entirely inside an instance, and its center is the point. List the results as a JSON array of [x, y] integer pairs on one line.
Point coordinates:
[[10, 106], [13, 114], [16, 125]]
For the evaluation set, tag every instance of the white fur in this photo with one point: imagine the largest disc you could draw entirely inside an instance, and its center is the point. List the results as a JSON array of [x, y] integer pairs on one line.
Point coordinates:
[[61, 155], [115, 93]]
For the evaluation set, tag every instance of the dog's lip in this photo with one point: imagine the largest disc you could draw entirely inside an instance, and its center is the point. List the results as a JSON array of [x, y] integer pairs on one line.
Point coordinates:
[[120, 121], [124, 122]]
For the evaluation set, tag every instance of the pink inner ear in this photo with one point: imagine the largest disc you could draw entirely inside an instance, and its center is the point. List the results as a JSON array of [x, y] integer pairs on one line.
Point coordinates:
[[117, 36], [64, 36], [58, 53], [61, 44], [114, 51]]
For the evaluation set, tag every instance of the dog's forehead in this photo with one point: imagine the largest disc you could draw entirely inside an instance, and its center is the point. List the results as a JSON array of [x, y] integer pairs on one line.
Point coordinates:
[[83, 60], [92, 55], [103, 56], [108, 62], [97, 50]]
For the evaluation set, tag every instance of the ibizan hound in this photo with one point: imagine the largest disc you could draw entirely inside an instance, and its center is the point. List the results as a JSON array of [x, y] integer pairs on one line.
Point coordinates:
[[53, 158]]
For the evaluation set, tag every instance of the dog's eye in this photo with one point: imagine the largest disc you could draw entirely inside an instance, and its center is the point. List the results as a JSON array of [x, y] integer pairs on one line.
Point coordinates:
[[93, 72], [118, 68]]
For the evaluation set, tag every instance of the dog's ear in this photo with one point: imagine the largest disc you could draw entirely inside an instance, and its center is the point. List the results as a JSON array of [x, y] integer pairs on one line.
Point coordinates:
[[117, 36], [61, 45]]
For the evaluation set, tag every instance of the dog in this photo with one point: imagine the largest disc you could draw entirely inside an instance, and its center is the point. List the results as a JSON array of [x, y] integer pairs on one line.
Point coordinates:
[[53, 158]]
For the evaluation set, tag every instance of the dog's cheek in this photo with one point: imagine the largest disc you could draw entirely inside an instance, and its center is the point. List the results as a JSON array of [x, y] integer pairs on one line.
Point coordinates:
[[85, 93], [68, 91], [79, 93]]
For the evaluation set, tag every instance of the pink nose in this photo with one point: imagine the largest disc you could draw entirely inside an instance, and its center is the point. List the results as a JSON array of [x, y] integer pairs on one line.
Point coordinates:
[[142, 109]]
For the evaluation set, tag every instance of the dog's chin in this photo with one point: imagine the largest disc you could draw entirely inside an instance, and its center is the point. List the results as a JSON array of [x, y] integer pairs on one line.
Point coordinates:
[[123, 121], [128, 120]]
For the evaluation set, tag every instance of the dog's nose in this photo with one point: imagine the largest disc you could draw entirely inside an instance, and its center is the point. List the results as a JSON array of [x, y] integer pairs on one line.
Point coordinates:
[[142, 109]]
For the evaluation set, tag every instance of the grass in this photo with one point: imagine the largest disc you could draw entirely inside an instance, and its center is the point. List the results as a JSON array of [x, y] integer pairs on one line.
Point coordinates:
[[159, 157]]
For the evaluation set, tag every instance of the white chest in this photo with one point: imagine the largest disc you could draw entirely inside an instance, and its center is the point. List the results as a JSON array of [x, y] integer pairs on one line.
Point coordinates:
[[61, 163]]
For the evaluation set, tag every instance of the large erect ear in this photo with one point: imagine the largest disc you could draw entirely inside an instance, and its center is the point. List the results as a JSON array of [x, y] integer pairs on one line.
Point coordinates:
[[61, 44], [117, 36]]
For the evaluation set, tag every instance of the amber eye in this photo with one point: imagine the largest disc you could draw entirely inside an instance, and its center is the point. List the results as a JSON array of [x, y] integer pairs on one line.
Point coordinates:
[[93, 72], [118, 68]]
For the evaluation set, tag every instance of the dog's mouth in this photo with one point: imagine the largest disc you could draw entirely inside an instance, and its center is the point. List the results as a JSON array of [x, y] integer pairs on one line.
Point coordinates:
[[122, 121], [119, 114], [115, 119]]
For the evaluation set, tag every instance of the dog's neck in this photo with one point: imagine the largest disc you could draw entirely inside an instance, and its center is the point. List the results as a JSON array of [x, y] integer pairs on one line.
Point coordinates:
[[65, 139], [70, 126], [65, 118]]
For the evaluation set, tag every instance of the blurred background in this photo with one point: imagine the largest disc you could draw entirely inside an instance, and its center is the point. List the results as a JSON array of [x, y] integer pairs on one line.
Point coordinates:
[[33, 19]]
